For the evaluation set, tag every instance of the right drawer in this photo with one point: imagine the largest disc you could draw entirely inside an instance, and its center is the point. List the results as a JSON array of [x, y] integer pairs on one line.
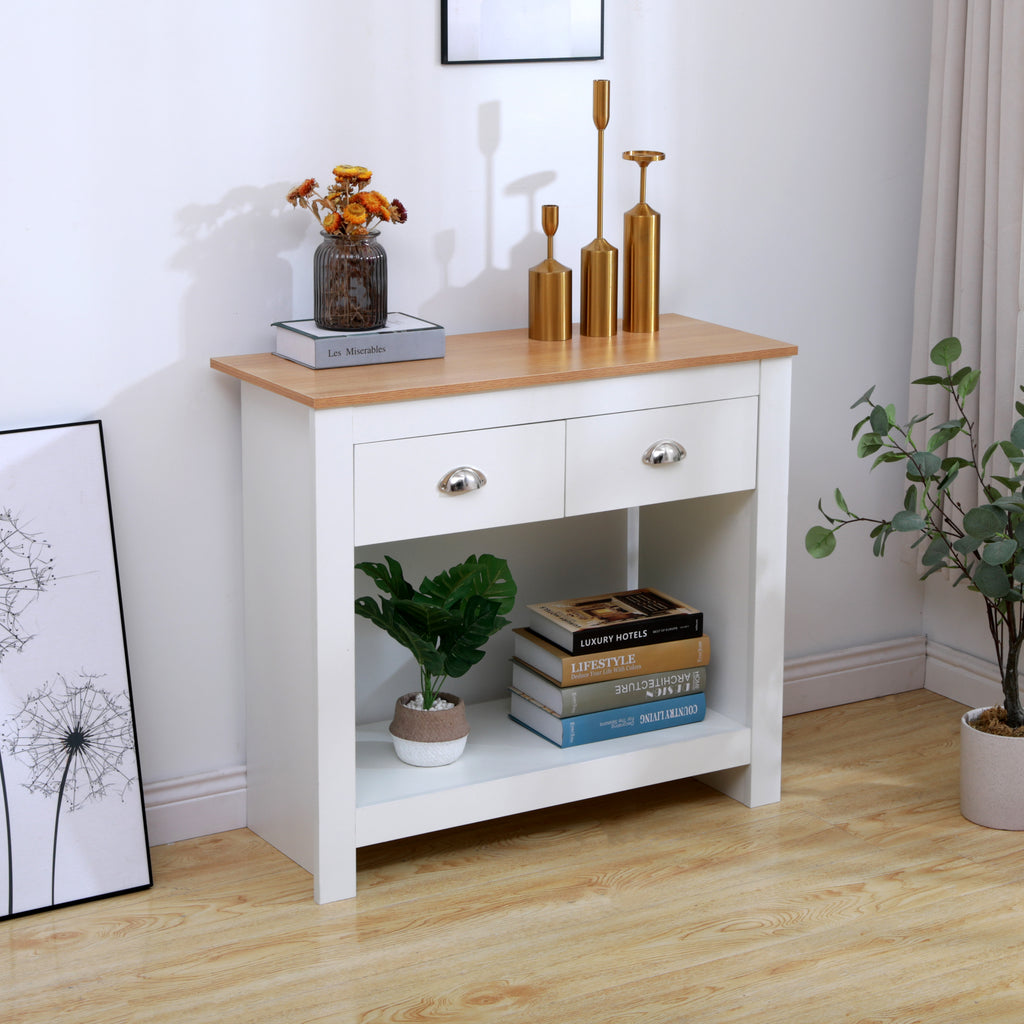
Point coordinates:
[[605, 467]]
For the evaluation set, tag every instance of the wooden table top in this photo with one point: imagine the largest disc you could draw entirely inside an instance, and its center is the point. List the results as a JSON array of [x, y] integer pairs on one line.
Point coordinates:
[[498, 360]]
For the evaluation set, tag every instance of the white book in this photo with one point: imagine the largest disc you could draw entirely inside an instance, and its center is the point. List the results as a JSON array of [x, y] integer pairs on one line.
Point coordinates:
[[402, 338]]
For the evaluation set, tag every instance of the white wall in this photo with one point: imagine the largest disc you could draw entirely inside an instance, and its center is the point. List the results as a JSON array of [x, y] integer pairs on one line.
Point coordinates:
[[147, 151]]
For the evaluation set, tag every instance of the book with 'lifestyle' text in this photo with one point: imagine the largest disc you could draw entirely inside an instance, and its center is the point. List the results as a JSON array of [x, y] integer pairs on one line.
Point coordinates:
[[572, 669]]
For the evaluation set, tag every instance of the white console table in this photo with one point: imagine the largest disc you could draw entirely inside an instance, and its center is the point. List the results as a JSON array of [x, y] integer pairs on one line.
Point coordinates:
[[337, 460]]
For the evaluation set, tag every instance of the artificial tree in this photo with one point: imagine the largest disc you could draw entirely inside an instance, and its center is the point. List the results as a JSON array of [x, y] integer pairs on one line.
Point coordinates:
[[979, 544]]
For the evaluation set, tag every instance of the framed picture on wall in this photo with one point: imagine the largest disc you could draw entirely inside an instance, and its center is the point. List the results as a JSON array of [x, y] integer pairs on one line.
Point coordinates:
[[510, 31], [72, 825]]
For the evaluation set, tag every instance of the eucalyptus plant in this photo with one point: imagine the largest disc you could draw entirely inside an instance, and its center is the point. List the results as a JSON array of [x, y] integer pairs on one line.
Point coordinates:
[[980, 545], [445, 623]]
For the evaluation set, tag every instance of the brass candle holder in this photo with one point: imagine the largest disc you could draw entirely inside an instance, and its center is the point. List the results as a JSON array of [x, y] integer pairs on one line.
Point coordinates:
[[550, 289], [599, 285], [641, 244]]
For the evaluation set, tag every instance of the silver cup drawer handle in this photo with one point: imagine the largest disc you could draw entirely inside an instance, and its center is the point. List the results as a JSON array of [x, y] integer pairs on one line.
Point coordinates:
[[662, 453], [461, 480]]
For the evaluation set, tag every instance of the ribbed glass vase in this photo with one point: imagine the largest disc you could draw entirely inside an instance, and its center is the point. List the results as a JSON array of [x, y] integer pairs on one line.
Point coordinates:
[[350, 283]]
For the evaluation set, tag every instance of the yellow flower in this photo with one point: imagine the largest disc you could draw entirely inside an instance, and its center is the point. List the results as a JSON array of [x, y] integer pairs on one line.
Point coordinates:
[[350, 172], [332, 223]]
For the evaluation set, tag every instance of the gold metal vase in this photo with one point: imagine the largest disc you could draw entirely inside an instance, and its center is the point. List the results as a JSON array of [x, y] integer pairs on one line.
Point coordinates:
[[599, 280], [641, 245], [550, 289]]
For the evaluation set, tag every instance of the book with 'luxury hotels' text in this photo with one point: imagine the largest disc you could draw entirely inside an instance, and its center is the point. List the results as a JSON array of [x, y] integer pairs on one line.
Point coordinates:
[[629, 618]]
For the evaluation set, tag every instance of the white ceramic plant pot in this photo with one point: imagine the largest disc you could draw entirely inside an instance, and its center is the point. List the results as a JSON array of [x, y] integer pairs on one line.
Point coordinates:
[[991, 777], [429, 739]]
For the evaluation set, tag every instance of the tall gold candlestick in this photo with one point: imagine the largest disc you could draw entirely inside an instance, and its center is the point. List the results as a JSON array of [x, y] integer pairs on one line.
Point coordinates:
[[550, 289], [641, 244], [599, 284]]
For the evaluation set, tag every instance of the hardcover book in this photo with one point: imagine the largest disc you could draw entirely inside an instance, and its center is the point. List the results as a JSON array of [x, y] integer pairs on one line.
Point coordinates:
[[571, 669], [402, 338], [630, 618], [605, 725], [610, 693]]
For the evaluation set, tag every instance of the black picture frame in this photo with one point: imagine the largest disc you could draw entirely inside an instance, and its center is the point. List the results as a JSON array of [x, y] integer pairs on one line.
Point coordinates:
[[521, 31], [72, 819]]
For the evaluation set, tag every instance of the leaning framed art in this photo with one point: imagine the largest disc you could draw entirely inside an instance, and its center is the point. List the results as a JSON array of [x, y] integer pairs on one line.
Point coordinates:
[[72, 823]]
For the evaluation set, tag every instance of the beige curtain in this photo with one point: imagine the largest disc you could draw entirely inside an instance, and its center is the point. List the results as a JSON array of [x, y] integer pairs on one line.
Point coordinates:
[[969, 275]]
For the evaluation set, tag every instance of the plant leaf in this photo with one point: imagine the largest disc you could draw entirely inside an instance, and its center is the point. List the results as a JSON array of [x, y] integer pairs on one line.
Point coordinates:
[[969, 383], [991, 581], [946, 352], [820, 543], [879, 420], [906, 522], [984, 521], [868, 445], [923, 465], [866, 397], [936, 552], [999, 552]]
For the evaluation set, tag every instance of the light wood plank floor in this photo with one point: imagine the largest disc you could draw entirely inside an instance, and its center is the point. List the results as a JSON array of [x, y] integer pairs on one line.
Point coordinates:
[[862, 896]]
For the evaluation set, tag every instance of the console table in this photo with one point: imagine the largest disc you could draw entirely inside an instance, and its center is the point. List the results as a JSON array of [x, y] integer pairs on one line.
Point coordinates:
[[336, 460]]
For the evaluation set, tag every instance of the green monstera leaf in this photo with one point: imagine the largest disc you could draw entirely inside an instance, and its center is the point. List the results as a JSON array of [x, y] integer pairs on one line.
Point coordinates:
[[446, 623]]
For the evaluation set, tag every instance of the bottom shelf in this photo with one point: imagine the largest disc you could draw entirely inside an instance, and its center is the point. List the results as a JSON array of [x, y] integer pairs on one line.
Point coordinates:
[[507, 769]]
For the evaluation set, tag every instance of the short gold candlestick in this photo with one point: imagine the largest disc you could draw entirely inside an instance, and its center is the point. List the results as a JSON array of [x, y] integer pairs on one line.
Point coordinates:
[[550, 289], [641, 244], [599, 286]]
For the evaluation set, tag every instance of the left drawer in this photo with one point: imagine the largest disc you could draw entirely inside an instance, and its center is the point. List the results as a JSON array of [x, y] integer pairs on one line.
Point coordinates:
[[396, 483]]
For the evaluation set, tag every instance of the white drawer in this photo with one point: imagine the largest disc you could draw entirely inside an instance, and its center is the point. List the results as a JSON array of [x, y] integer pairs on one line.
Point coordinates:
[[604, 455], [396, 482]]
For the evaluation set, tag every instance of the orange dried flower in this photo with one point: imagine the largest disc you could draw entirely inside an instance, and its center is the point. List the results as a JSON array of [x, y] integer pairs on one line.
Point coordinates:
[[354, 213], [348, 207], [301, 191]]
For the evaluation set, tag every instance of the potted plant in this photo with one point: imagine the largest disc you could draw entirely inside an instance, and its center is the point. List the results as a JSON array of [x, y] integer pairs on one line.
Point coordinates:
[[445, 625], [979, 541]]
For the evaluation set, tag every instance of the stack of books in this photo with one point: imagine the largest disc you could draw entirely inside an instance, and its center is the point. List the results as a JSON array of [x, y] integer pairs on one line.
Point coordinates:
[[593, 668]]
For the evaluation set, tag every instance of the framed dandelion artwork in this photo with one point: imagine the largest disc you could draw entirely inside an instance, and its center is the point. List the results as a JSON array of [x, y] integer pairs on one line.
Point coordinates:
[[514, 31], [72, 824]]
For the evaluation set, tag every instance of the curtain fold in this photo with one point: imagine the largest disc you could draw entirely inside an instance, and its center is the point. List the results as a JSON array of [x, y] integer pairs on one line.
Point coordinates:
[[969, 273]]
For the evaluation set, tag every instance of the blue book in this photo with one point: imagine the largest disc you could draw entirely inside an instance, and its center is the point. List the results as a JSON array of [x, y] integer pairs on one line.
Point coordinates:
[[605, 725]]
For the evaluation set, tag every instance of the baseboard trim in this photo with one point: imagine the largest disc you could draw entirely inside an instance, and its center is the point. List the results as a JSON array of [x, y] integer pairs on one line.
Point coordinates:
[[965, 678], [197, 805], [200, 805], [853, 674]]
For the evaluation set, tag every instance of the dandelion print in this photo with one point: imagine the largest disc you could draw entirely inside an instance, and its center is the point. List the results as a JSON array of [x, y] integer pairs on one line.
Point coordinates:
[[73, 739], [26, 570]]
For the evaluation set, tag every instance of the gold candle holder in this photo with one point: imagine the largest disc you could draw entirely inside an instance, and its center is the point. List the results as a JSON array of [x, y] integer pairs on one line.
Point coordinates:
[[550, 289], [599, 283], [641, 245]]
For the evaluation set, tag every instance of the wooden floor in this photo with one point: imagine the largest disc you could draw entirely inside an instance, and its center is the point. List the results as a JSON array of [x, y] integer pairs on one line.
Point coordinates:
[[862, 896]]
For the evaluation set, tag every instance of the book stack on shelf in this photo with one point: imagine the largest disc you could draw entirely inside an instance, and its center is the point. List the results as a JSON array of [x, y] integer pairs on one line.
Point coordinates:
[[594, 668]]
